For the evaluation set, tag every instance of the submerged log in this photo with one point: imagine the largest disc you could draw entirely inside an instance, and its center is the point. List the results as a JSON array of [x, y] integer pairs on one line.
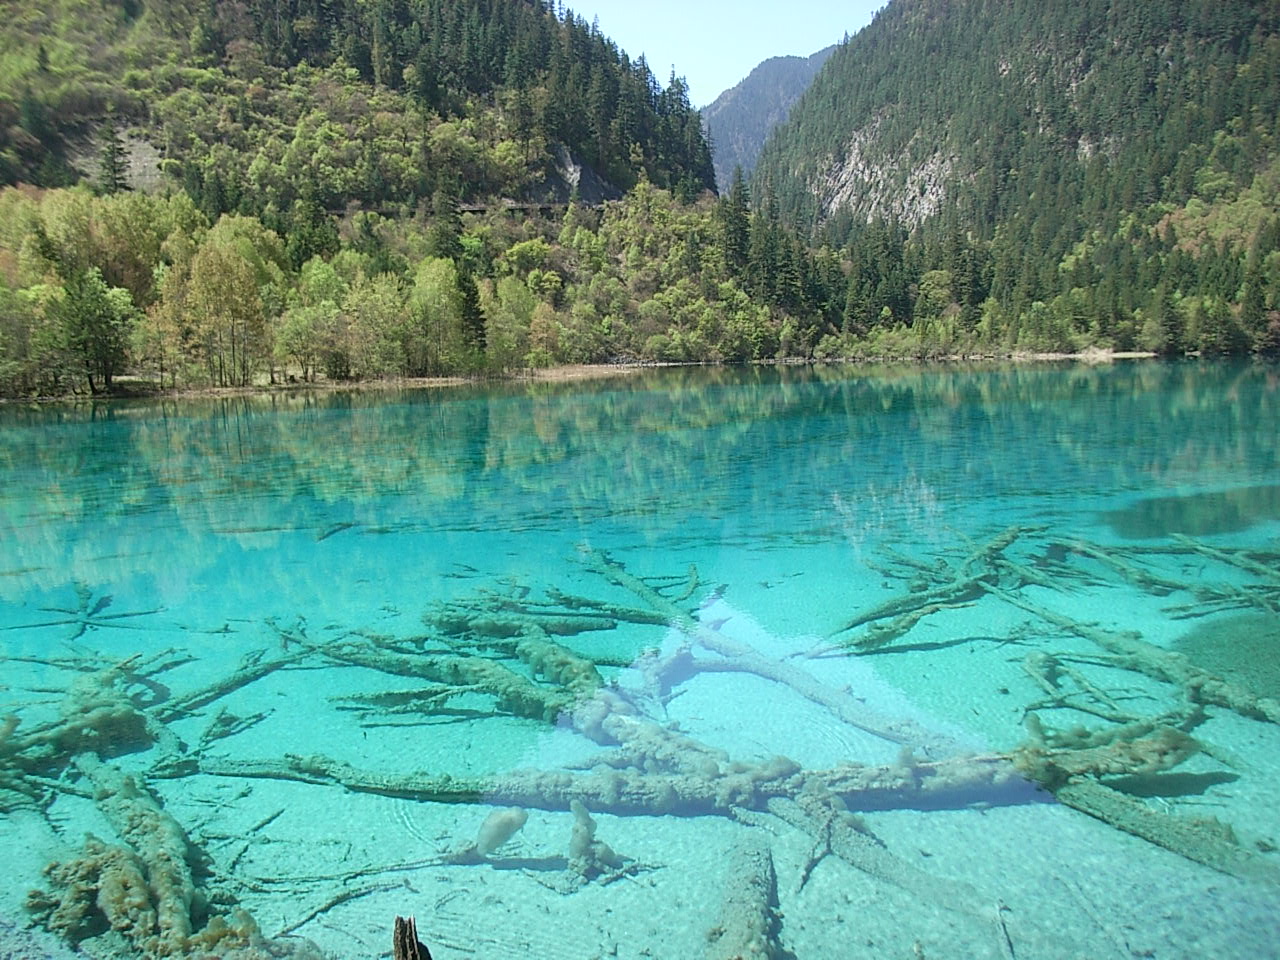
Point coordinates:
[[1134, 653], [513, 692], [145, 886], [748, 923], [1204, 840], [839, 703], [953, 783]]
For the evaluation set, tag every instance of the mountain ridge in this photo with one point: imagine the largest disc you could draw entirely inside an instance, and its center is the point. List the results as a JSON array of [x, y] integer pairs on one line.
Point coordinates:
[[741, 118]]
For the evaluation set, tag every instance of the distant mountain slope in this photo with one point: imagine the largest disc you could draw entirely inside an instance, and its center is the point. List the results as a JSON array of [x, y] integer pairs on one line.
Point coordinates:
[[990, 105], [741, 118], [1100, 170]]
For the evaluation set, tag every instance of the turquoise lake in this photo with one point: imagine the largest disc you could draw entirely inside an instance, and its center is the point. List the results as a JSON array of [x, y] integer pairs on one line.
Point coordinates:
[[794, 642]]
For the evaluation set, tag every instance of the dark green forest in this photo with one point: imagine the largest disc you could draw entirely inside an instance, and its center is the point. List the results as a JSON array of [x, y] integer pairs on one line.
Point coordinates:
[[1094, 173], [235, 193]]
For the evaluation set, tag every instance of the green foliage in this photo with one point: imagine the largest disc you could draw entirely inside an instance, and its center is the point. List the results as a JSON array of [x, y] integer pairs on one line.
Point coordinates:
[[437, 339], [508, 308], [1081, 156], [24, 366], [112, 161], [330, 169], [524, 257], [227, 312], [377, 103], [374, 342], [310, 332], [96, 321]]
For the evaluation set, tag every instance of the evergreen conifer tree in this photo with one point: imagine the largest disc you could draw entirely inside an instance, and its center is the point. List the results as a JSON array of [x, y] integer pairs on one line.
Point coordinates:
[[736, 218], [445, 236], [472, 315], [112, 160]]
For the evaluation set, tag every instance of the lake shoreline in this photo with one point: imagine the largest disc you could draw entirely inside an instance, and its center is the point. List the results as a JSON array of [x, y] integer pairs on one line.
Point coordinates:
[[137, 389]]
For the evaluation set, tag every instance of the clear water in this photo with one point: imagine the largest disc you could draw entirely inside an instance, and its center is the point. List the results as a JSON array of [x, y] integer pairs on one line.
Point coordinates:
[[195, 534]]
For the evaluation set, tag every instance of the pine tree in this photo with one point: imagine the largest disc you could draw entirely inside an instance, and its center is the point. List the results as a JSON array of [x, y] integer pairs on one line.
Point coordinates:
[[112, 161], [445, 236], [472, 316], [736, 219], [1253, 306]]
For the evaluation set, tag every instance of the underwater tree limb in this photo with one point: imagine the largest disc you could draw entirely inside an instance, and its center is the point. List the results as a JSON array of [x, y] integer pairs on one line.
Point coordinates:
[[1141, 748], [1134, 653], [1131, 572], [252, 668], [1205, 840], [513, 692], [852, 843], [839, 703], [1209, 597], [616, 611], [984, 555], [959, 591], [748, 923], [956, 782], [162, 845], [346, 896], [1234, 558], [815, 802], [881, 633], [145, 887], [956, 586], [486, 621], [1048, 671], [96, 714], [557, 663], [1069, 765]]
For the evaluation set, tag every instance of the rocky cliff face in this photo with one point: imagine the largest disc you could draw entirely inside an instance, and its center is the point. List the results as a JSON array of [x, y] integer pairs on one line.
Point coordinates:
[[908, 188], [571, 177]]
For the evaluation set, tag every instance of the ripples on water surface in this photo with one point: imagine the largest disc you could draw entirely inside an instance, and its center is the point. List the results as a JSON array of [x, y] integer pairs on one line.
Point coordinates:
[[698, 663]]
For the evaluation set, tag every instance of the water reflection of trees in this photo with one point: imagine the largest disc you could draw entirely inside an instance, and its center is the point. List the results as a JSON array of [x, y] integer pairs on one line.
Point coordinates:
[[640, 450]]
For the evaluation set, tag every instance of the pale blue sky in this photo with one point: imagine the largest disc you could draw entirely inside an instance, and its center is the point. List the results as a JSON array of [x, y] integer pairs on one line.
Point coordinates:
[[715, 43]]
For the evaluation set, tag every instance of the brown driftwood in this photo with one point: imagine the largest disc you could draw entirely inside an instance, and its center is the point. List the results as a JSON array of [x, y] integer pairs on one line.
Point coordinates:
[[405, 944]]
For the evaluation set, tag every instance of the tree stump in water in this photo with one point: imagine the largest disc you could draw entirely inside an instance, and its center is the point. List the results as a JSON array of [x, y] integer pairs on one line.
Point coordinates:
[[405, 942]]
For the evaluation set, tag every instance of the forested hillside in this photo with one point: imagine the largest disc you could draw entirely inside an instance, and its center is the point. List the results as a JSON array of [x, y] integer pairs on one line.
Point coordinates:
[[255, 105], [1097, 170], [741, 118], [242, 192]]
